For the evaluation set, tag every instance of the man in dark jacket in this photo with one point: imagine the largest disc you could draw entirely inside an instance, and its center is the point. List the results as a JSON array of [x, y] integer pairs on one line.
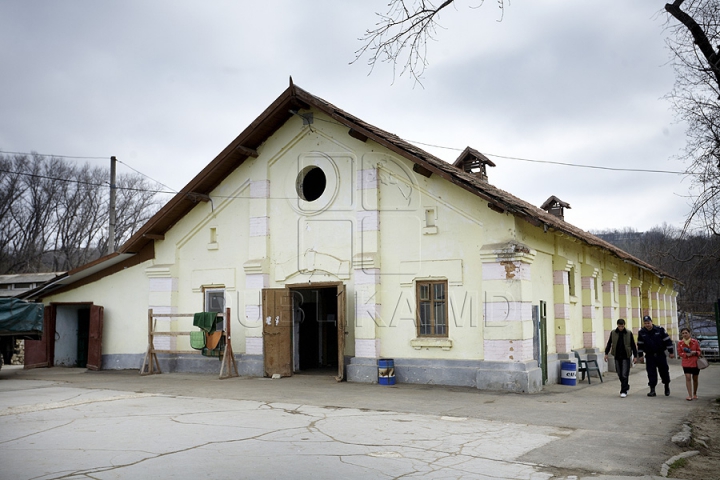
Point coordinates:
[[621, 345], [652, 342]]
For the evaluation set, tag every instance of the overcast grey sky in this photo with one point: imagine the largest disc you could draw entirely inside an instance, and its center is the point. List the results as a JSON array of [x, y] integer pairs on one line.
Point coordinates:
[[165, 85]]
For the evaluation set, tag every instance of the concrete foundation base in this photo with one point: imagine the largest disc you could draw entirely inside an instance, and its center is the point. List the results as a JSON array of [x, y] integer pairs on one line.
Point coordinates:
[[362, 370], [522, 377]]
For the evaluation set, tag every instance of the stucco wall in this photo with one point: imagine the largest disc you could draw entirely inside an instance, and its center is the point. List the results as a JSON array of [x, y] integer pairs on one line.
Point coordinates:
[[378, 227], [124, 297]]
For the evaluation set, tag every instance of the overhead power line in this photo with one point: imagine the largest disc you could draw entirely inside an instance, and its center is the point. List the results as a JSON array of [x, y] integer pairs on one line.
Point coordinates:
[[95, 158], [58, 156], [147, 176], [536, 161], [643, 170], [92, 184], [550, 162]]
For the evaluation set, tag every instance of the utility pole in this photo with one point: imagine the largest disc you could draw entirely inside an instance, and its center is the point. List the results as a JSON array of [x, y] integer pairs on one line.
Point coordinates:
[[111, 230]]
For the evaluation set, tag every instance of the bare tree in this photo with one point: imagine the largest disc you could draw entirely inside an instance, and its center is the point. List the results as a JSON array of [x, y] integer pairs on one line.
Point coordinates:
[[10, 189], [401, 35], [54, 214], [81, 216], [695, 98]]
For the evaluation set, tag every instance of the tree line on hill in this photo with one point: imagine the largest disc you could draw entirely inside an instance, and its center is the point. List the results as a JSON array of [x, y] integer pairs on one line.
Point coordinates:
[[54, 214], [692, 258]]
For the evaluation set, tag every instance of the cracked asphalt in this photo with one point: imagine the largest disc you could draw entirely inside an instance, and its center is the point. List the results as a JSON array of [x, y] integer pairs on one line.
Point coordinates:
[[62, 423]]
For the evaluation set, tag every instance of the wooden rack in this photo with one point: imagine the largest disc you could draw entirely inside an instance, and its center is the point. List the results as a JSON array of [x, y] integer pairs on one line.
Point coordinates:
[[151, 365]]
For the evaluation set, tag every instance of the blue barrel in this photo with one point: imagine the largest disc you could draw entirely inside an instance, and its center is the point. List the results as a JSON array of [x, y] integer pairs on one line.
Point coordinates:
[[386, 371], [568, 373]]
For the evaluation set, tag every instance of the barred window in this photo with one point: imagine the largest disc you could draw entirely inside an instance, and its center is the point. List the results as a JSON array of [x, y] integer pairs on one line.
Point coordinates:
[[215, 302], [432, 309]]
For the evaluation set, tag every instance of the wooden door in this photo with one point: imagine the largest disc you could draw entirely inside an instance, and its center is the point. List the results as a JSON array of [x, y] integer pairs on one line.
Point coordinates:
[[277, 331], [94, 361], [41, 353], [341, 325]]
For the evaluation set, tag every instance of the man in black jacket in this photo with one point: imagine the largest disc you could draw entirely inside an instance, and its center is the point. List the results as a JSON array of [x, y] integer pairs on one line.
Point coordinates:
[[653, 341], [621, 345]]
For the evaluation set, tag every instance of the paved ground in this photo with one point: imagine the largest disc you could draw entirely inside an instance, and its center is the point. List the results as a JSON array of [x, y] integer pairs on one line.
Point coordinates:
[[77, 424]]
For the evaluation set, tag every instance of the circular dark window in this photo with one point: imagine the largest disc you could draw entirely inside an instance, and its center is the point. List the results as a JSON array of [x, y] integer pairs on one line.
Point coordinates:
[[310, 183]]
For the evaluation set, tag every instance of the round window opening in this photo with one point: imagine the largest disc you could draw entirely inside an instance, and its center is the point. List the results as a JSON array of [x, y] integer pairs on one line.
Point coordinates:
[[310, 183]]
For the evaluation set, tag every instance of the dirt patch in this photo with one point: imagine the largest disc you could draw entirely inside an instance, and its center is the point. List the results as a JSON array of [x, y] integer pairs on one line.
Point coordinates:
[[705, 429]]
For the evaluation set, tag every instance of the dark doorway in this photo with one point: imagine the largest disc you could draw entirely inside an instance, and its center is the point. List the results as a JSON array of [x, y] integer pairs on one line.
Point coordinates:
[[72, 337], [83, 340], [315, 332]]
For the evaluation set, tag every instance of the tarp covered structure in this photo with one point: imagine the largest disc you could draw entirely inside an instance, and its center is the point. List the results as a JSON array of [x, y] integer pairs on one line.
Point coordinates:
[[18, 316]]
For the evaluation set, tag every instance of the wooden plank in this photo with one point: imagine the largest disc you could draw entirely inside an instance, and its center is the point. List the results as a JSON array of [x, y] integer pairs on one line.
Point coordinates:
[[94, 361], [247, 151], [419, 169], [229, 356], [496, 208], [357, 135], [192, 352], [150, 361], [341, 325]]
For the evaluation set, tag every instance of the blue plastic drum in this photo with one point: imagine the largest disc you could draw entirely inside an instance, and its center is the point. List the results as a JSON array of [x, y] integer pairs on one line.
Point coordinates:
[[568, 373]]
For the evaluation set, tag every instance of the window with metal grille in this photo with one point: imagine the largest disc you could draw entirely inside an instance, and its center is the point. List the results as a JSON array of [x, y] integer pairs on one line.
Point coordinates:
[[432, 309], [215, 302]]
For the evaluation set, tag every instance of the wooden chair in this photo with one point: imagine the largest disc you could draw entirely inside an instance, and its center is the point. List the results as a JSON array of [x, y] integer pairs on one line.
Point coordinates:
[[586, 366]]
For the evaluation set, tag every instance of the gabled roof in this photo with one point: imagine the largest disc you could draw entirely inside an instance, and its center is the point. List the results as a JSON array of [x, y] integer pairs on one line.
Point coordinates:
[[283, 108]]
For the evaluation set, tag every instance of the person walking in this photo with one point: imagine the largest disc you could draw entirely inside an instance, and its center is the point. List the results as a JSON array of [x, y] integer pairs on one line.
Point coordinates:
[[653, 341], [621, 345], [689, 351]]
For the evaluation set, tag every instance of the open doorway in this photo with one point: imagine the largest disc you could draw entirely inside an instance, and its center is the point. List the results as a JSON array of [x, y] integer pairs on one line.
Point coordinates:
[[72, 333], [304, 330], [72, 337], [315, 330]]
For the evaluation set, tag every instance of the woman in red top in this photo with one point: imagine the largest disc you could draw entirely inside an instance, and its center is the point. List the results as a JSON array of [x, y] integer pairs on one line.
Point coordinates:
[[689, 351]]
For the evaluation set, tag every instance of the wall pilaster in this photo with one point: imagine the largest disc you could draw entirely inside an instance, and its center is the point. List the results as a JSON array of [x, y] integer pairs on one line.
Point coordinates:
[[366, 264], [590, 302], [507, 289], [561, 295]]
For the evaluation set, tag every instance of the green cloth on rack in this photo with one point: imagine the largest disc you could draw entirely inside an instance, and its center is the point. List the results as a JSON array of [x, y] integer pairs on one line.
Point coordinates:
[[197, 340], [216, 352], [205, 321]]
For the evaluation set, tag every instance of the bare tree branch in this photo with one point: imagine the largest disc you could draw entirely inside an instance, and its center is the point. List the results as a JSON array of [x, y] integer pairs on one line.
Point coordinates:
[[402, 34]]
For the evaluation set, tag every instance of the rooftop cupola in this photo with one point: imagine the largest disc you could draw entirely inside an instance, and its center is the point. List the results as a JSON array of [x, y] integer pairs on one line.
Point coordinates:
[[555, 206], [474, 162]]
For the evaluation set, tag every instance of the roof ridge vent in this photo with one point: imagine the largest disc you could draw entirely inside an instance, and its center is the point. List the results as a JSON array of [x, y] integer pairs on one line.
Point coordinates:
[[554, 206], [474, 163]]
